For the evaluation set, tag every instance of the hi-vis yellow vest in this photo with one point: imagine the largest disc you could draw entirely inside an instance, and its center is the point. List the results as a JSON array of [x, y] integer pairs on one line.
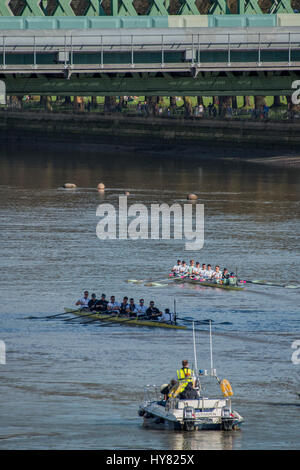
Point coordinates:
[[185, 374]]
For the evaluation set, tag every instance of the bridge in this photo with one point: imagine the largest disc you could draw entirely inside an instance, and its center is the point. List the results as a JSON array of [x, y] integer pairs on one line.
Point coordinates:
[[218, 53]]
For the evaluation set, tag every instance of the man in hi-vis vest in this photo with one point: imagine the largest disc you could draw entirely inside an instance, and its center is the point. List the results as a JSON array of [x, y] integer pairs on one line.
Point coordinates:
[[185, 375]]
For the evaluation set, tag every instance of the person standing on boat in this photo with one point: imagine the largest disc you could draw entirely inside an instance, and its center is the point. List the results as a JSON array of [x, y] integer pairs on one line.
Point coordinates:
[[113, 306], [185, 375], [153, 312], [84, 301]]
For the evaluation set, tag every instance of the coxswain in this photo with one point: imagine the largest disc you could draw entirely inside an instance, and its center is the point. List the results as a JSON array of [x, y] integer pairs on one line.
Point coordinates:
[[153, 312], [84, 301], [225, 274], [167, 316]]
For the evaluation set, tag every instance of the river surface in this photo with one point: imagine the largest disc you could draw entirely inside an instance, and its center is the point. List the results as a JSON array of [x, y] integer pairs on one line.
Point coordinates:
[[66, 385]]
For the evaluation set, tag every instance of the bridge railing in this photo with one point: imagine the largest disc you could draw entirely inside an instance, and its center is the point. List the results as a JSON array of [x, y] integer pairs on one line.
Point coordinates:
[[190, 48]]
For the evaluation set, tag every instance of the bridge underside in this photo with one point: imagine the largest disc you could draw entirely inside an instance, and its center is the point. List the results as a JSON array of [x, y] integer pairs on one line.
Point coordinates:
[[234, 83]]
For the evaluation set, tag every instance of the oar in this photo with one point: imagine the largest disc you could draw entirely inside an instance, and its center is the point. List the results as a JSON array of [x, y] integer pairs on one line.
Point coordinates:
[[145, 317], [100, 319], [88, 314], [59, 314]]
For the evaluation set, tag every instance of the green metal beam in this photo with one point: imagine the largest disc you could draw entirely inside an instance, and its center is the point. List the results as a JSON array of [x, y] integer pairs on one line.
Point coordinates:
[[4, 8], [249, 7], [158, 7], [206, 84], [188, 7], [219, 7], [281, 6], [128, 8]]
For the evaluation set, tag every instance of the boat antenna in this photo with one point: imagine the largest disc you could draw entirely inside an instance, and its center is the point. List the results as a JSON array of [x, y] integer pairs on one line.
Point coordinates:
[[212, 371], [195, 352]]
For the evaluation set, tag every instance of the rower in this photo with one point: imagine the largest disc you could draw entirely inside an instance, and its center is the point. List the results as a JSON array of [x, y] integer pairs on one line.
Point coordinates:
[[141, 308], [202, 271], [113, 306], [93, 302], [217, 275], [101, 305], [191, 267], [153, 312], [183, 270], [197, 268], [176, 269], [124, 306], [132, 309], [209, 272], [84, 301]]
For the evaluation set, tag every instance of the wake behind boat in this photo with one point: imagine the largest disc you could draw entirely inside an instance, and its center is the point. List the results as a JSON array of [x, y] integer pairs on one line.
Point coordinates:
[[184, 406]]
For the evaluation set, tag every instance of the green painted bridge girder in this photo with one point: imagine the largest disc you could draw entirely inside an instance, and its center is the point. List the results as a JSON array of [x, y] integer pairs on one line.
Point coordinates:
[[128, 8], [160, 84]]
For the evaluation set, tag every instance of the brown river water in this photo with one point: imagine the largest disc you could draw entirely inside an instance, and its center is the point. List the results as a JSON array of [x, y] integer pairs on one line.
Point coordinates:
[[66, 385]]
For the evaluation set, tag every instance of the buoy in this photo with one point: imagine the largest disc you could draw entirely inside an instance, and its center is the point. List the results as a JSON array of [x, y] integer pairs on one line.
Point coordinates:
[[69, 185], [192, 197], [101, 186]]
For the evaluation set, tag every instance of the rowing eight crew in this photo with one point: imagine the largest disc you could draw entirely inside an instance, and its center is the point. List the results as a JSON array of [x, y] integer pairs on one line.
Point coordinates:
[[200, 272], [125, 308]]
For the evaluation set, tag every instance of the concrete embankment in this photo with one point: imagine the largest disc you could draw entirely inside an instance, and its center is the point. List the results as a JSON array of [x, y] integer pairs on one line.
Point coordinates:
[[117, 129]]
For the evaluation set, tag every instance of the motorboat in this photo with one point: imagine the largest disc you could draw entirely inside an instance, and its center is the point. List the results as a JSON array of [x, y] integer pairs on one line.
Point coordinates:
[[173, 411]]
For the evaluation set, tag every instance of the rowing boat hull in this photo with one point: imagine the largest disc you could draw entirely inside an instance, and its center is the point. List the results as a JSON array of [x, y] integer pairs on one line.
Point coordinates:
[[207, 283], [133, 322]]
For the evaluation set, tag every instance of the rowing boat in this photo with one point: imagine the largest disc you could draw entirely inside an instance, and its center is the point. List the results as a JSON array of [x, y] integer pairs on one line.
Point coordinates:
[[128, 321], [207, 283]]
